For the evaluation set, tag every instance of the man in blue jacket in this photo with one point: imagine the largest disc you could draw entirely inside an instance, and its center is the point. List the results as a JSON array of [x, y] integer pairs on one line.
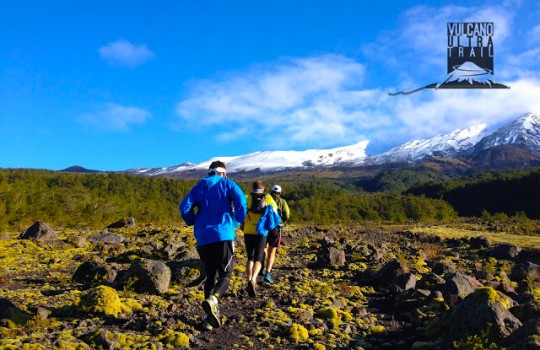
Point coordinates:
[[215, 206]]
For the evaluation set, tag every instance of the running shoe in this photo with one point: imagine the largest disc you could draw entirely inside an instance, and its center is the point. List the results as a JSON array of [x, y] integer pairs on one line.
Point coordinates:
[[210, 306], [268, 278]]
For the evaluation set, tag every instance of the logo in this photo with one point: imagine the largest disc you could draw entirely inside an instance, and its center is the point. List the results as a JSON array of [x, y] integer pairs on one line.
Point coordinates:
[[470, 58]]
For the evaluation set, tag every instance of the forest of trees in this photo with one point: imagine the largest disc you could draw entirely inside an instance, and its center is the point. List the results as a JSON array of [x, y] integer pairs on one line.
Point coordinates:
[[97, 199], [513, 193], [94, 200]]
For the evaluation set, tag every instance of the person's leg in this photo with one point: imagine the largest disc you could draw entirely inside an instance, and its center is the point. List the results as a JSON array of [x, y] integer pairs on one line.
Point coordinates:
[[210, 255], [206, 254], [258, 257], [249, 241], [273, 242], [271, 258], [256, 269], [249, 269], [225, 268]]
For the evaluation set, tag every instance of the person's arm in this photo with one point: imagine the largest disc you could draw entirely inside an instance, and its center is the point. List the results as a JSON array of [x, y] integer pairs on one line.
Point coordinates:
[[286, 212], [187, 207], [239, 201]]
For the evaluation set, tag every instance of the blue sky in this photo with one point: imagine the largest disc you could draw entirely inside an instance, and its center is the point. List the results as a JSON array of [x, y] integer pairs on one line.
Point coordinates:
[[112, 85]]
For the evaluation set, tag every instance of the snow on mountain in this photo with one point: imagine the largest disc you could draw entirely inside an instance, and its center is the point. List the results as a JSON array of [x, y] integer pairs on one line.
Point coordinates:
[[274, 160], [524, 131], [447, 145]]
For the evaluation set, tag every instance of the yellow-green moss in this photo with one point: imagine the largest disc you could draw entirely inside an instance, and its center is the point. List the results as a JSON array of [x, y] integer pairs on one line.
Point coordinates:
[[174, 339], [103, 300], [491, 295], [536, 294], [329, 313], [319, 346], [298, 333], [378, 329]]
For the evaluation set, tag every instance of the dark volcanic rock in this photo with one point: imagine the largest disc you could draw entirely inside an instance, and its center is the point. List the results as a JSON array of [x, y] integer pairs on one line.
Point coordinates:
[[187, 272], [482, 312], [527, 270], [526, 312], [404, 282], [91, 271], [505, 251], [8, 311], [479, 242], [327, 257], [443, 267], [106, 238], [40, 231], [526, 337], [145, 275], [459, 285], [386, 276], [123, 223]]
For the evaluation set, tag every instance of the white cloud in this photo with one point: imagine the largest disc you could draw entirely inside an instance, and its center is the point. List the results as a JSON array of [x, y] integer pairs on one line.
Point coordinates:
[[114, 117], [302, 97], [320, 102], [416, 48], [324, 101], [124, 53]]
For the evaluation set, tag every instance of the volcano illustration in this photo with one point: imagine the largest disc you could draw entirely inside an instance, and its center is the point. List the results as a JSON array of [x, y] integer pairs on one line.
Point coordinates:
[[467, 75]]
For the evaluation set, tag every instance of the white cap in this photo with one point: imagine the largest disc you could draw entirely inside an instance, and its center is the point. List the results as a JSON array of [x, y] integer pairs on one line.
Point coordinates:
[[276, 188]]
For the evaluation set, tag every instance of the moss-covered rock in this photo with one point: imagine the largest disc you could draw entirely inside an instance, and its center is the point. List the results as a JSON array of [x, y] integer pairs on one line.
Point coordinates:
[[298, 333], [483, 312], [103, 300]]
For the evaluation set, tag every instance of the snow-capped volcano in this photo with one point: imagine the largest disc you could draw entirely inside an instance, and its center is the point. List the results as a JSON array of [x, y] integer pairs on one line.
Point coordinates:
[[274, 160], [447, 145], [524, 131]]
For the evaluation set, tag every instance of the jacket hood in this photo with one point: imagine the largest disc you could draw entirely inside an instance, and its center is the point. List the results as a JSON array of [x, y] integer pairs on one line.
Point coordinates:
[[209, 181]]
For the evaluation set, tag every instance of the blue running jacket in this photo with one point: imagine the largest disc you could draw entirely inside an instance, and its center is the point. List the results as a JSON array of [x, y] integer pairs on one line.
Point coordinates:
[[216, 206]]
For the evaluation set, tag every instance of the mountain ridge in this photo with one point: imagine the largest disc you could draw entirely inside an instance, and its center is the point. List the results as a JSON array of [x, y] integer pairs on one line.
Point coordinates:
[[467, 144]]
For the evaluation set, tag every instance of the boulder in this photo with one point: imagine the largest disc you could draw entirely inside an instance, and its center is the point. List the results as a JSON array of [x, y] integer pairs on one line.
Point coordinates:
[[103, 300], [40, 231], [336, 257], [123, 223], [387, 275], [526, 312], [188, 272], [106, 238], [526, 270], [479, 242], [482, 312], [10, 313], [443, 267], [91, 272], [505, 251], [459, 285], [403, 282], [146, 276], [526, 337], [328, 257], [77, 241]]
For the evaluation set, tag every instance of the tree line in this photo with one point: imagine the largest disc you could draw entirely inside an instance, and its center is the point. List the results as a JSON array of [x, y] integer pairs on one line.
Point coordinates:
[[507, 192], [97, 199]]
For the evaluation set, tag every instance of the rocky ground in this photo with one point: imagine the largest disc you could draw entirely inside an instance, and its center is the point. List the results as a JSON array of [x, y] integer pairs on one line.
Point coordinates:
[[346, 287]]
